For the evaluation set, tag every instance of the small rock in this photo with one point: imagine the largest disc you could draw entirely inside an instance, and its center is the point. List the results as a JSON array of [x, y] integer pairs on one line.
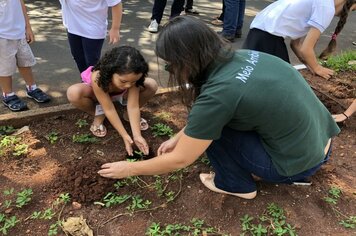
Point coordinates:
[[8, 211], [342, 154], [76, 205], [189, 186], [28, 231], [341, 146], [79, 158], [200, 191]]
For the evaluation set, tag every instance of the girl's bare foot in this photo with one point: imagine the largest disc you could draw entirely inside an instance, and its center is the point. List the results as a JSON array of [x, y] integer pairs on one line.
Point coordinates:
[[208, 181]]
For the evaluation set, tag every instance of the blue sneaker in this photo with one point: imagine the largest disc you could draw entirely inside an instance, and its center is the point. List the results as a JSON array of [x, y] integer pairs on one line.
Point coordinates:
[[14, 103], [38, 95]]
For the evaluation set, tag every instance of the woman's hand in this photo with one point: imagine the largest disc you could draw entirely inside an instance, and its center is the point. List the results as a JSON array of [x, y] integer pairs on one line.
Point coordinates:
[[167, 146], [128, 144], [115, 170], [141, 144]]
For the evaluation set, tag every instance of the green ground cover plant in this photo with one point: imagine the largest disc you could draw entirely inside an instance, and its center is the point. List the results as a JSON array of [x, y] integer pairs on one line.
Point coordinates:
[[52, 137], [345, 61], [160, 129], [84, 138], [81, 123]]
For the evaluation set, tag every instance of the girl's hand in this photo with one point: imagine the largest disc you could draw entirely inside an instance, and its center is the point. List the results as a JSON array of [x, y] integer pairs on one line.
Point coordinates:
[[114, 36], [167, 146], [141, 144], [323, 72], [128, 144], [115, 170]]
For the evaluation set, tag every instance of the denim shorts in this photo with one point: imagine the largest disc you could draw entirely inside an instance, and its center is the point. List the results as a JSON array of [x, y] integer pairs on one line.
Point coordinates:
[[237, 155]]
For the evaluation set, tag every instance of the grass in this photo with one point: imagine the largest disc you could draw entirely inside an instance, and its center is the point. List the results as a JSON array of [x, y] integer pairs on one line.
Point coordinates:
[[346, 61]]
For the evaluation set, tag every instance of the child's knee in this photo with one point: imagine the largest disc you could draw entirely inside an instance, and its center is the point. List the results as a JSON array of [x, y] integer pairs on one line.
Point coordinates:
[[73, 94], [151, 85]]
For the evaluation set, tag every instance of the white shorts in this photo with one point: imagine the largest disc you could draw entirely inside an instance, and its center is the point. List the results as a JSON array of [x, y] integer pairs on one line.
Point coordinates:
[[13, 54]]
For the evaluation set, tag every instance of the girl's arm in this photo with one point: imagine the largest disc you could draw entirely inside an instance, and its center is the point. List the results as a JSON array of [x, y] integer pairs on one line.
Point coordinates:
[[305, 52], [110, 113], [185, 153], [133, 111], [114, 33], [29, 34]]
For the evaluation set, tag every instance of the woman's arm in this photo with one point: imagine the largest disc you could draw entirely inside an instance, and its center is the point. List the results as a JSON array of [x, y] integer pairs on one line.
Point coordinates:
[[306, 52], [114, 33], [188, 149]]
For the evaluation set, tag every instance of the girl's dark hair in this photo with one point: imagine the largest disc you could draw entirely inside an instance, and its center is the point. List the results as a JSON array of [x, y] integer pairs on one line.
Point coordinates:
[[120, 60], [189, 46], [340, 25]]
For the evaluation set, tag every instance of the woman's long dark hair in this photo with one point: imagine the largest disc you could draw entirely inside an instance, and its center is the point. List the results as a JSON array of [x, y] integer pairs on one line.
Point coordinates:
[[189, 46], [120, 60]]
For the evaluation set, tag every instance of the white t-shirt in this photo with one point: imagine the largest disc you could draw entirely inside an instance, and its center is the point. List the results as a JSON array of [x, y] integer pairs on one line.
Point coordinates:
[[293, 18], [87, 18], [12, 20]]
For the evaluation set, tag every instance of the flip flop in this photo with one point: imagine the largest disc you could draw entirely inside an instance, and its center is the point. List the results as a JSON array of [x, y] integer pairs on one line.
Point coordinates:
[[98, 130], [208, 181], [143, 124]]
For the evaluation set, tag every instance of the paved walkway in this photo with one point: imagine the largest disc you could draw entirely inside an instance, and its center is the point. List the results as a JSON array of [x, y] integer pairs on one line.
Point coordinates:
[[55, 69]]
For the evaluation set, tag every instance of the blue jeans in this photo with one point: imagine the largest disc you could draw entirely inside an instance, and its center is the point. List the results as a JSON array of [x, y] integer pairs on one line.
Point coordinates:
[[86, 52], [233, 16], [237, 155]]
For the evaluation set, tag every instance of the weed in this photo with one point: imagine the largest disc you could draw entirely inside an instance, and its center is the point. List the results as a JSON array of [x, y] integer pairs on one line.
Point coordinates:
[[170, 196], [333, 195], [36, 215], [4, 130], [196, 227], [138, 203], [84, 138], [272, 220], [8, 192], [341, 61], [81, 123], [48, 214], [8, 223], [349, 223], [52, 137], [112, 199], [160, 129], [23, 197], [7, 141], [20, 149]]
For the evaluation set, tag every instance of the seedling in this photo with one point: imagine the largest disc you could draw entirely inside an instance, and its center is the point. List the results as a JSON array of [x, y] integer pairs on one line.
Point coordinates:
[[8, 141], [23, 197], [138, 203], [272, 220], [81, 123], [8, 223], [196, 227], [4, 130], [333, 195], [52, 137], [160, 129], [84, 138], [349, 223], [20, 149], [112, 199]]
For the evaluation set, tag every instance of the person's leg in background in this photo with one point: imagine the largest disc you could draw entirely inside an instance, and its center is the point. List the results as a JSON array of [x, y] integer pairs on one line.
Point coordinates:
[[218, 21], [92, 50], [77, 51], [240, 18], [189, 8], [176, 8], [230, 19], [157, 14]]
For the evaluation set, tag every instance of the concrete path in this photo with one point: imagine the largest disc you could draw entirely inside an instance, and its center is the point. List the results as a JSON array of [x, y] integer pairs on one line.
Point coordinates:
[[56, 71]]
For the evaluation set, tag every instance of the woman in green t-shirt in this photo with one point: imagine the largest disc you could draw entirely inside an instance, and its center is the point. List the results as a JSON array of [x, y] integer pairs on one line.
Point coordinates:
[[253, 114]]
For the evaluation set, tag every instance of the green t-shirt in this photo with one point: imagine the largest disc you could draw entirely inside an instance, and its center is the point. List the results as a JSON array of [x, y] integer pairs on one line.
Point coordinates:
[[259, 92]]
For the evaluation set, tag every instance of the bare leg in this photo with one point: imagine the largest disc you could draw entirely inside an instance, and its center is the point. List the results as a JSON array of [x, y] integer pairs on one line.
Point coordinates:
[[6, 84], [82, 97], [27, 74]]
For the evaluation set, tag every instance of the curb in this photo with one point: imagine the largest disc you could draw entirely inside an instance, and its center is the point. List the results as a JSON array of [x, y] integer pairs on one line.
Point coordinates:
[[19, 119]]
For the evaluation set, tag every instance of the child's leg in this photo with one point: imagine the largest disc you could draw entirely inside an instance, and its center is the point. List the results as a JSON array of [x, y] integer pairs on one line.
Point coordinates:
[[6, 84], [82, 97], [148, 92]]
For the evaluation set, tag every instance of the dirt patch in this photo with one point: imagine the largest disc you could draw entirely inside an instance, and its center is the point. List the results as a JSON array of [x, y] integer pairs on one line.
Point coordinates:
[[176, 198]]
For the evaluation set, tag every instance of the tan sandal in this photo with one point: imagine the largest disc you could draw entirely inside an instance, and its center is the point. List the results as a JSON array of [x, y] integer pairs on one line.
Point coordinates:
[[98, 130], [208, 181]]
